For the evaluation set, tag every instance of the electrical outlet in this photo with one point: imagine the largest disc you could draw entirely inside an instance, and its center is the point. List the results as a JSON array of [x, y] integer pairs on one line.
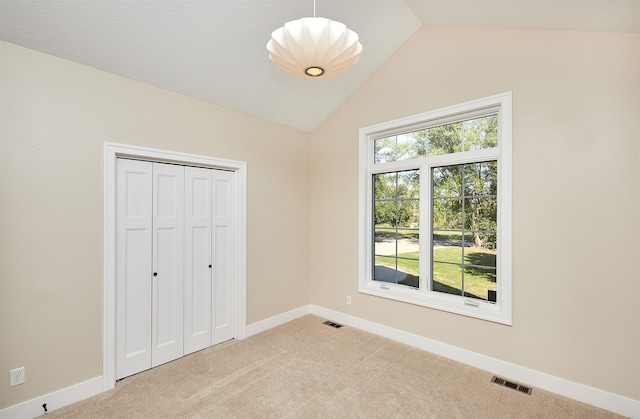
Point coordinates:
[[348, 300], [16, 377]]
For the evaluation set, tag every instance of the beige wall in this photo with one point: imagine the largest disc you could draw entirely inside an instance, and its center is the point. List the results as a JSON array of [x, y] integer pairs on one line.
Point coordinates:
[[55, 117], [576, 182], [576, 273]]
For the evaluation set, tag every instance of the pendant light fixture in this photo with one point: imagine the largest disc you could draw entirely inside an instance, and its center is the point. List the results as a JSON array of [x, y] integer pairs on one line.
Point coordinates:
[[314, 47]]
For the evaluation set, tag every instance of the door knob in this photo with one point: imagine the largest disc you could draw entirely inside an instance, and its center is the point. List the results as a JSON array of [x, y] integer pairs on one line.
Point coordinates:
[[155, 274], [209, 265]]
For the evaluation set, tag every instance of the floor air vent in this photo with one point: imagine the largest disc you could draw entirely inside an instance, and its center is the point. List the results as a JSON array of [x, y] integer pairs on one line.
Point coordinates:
[[511, 384], [332, 324]]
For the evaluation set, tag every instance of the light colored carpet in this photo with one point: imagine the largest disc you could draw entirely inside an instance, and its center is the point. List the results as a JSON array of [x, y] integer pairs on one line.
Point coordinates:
[[305, 369]]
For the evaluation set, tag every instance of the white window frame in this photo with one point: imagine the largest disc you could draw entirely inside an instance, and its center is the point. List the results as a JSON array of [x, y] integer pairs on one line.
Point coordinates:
[[499, 312]]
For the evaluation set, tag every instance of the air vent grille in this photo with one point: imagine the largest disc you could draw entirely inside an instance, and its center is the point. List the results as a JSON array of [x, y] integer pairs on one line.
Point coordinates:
[[332, 324], [506, 383]]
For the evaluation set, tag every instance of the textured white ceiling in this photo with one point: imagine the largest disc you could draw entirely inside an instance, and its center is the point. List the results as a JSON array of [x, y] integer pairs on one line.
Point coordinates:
[[214, 50], [590, 15]]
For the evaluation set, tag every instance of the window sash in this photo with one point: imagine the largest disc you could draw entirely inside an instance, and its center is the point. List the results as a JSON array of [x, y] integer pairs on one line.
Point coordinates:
[[462, 230], [422, 142]]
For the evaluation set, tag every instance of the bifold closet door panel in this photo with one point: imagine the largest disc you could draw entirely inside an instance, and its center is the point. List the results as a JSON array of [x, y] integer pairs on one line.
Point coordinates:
[[198, 259], [133, 266], [224, 274], [175, 267], [167, 308]]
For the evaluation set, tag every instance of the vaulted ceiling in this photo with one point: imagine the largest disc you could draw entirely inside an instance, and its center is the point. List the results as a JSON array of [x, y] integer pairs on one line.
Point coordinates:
[[214, 50]]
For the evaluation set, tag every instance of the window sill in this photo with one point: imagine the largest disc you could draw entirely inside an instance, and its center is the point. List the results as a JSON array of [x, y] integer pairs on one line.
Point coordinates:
[[450, 303]]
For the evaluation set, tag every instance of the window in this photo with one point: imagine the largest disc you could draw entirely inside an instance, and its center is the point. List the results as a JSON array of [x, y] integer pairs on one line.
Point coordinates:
[[435, 201]]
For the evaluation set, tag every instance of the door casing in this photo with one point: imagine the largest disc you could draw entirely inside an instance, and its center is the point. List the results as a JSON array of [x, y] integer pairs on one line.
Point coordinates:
[[111, 151]]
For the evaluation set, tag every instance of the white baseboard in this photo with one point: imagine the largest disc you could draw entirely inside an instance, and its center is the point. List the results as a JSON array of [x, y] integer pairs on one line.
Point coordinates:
[[55, 400], [61, 398], [271, 322], [582, 393], [595, 397]]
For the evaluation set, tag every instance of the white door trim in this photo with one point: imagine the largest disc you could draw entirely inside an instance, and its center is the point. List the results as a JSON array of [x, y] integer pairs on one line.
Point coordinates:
[[111, 151]]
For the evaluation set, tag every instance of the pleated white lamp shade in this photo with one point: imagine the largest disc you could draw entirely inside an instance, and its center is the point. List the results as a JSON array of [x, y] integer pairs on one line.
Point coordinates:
[[314, 47]]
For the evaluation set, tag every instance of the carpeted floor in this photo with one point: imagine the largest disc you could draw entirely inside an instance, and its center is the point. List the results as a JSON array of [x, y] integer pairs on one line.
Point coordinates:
[[305, 369]]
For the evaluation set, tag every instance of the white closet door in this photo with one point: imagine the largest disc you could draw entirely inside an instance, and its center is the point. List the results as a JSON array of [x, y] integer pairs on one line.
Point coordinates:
[[167, 331], [198, 269], [175, 268], [133, 266], [224, 222]]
